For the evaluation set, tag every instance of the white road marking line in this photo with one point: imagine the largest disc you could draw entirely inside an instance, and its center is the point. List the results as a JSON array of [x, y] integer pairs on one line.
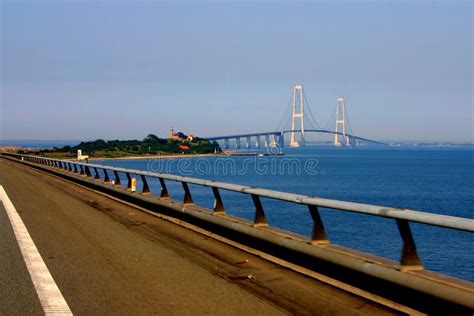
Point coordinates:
[[50, 296]]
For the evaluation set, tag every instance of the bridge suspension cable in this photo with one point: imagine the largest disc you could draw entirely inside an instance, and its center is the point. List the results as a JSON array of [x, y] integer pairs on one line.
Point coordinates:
[[311, 116], [285, 119], [329, 126]]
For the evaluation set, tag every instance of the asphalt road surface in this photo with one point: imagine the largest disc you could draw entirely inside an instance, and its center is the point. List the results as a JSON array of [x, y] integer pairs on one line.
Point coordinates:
[[110, 258]]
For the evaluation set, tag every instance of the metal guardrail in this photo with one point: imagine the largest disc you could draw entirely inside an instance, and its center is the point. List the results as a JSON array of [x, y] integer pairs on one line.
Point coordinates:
[[409, 258]]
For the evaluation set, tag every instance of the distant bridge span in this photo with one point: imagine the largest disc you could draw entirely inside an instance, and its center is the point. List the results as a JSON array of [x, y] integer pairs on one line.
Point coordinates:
[[274, 138], [342, 134]]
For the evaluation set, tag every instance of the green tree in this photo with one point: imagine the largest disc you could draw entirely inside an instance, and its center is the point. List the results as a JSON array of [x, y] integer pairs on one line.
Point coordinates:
[[151, 138]]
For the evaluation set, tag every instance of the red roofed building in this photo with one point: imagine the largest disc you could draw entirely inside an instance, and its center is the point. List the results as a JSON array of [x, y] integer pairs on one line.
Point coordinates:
[[184, 147]]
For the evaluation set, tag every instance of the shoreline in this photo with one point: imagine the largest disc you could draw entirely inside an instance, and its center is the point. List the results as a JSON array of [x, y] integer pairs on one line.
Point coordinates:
[[155, 157]]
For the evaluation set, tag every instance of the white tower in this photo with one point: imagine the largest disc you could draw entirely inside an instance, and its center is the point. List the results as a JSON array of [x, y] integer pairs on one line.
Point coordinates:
[[297, 92], [341, 123]]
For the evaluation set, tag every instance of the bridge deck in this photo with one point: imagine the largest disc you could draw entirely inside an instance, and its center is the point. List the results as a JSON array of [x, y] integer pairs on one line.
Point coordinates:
[[108, 257], [280, 133]]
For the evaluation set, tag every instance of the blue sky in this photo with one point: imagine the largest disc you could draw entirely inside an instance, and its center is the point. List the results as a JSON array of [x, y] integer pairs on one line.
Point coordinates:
[[124, 69]]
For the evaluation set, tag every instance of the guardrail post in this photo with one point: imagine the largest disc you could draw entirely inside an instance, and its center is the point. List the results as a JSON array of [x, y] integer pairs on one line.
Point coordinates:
[[188, 199], [164, 195], [106, 176], [88, 171], [146, 188], [409, 259], [260, 219], [117, 178], [218, 204], [318, 235], [75, 168], [82, 170], [129, 181], [97, 176]]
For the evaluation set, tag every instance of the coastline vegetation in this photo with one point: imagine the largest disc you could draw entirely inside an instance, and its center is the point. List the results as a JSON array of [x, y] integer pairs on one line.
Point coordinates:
[[151, 145]]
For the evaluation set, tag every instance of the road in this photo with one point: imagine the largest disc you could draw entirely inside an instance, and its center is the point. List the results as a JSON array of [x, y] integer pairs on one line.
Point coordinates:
[[110, 258]]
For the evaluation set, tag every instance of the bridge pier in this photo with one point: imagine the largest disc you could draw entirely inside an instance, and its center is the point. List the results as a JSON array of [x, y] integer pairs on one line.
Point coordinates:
[[267, 140], [226, 143], [257, 143], [237, 142], [348, 141], [281, 140], [273, 142], [247, 143]]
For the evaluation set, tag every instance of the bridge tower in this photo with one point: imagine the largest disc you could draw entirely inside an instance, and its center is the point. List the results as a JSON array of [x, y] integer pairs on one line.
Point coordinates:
[[297, 114], [341, 124]]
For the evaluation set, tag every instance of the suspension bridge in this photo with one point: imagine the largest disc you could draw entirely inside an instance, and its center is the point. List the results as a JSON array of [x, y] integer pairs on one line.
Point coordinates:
[[342, 133]]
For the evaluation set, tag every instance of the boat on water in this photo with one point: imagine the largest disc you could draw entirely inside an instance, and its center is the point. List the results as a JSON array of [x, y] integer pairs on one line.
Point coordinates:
[[254, 154]]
